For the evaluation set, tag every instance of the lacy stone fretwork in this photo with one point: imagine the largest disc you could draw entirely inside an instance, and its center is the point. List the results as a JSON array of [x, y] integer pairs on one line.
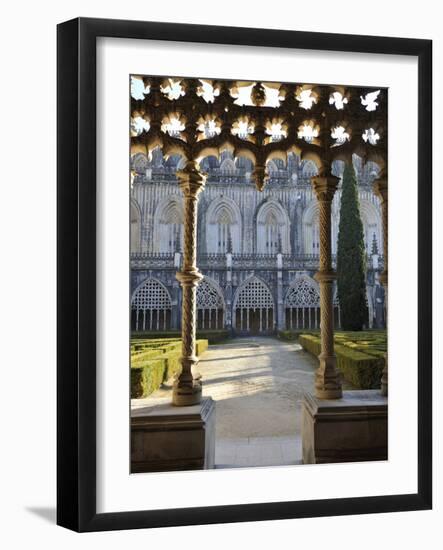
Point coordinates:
[[302, 305], [151, 307], [265, 122], [254, 307], [210, 306]]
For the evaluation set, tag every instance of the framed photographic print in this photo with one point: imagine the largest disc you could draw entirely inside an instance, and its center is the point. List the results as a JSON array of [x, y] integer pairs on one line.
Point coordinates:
[[224, 232]]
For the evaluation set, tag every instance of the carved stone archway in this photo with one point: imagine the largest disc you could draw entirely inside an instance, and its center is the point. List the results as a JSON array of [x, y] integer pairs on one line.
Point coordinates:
[[150, 306], [210, 305], [254, 307], [197, 119]]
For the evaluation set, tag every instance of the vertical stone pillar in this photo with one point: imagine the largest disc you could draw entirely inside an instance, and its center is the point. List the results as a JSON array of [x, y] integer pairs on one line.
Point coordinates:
[[327, 378], [187, 385], [381, 190], [228, 292], [175, 320], [280, 310]]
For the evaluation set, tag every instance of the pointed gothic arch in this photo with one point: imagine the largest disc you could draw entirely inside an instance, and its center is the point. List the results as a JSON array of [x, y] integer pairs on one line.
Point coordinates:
[[271, 166], [210, 305], [168, 225], [227, 165], [136, 227], [309, 168], [151, 306], [302, 304], [254, 307], [310, 228], [272, 228], [223, 226], [372, 224]]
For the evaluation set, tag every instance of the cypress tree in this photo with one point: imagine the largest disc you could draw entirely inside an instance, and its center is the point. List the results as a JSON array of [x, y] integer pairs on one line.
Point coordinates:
[[351, 257]]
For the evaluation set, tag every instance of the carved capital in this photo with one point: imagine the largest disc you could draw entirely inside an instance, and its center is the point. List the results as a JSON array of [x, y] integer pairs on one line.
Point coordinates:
[[380, 188], [325, 187], [260, 177], [191, 181]]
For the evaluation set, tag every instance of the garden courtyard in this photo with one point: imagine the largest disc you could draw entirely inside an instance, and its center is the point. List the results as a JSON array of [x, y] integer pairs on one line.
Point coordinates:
[[258, 385]]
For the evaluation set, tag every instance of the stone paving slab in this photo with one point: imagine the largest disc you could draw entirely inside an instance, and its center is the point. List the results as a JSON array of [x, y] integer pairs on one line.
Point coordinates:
[[258, 451], [258, 384]]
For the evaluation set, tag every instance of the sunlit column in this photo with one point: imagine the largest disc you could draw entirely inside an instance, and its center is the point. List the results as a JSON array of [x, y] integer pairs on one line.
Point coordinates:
[[381, 190], [327, 377], [187, 386]]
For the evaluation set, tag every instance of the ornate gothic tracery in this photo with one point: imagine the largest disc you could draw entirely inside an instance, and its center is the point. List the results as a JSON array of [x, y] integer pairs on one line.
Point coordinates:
[[264, 122], [254, 306], [135, 227], [273, 229], [210, 305], [302, 304], [151, 306], [303, 293], [168, 225], [223, 226]]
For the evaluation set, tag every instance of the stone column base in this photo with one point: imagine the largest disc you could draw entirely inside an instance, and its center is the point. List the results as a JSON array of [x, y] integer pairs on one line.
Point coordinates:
[[351, 429], [166, 438]]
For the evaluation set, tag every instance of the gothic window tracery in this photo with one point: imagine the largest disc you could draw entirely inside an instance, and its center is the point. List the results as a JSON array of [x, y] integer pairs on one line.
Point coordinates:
[[302, 294], [168, 226], [273, 229], [309, 169], [151, 307], [210, 306], [227, 165], [135, 228], [315, 235], [254, 307], [223, 232], [272, 234], [224, 223], [311, 230], [371, 225], [302, 305], [240, 109]]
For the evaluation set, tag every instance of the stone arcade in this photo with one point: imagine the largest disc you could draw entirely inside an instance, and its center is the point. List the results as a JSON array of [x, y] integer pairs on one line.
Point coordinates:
[[262, 249], [258, 251]]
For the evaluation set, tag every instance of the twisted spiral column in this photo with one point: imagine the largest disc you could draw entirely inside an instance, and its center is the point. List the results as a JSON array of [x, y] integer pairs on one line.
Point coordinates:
[[327, 378], [187, 386], [381, 190]]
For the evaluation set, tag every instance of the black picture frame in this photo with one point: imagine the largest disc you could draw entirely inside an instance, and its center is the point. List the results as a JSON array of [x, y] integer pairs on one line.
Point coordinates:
[[76, 280]]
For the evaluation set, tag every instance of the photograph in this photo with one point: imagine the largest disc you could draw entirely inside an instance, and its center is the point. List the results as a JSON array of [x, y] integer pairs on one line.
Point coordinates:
[[258, 273], [222, 355]]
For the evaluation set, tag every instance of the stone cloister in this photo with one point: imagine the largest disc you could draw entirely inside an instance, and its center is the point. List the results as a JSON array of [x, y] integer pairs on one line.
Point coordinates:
[[264, 123]]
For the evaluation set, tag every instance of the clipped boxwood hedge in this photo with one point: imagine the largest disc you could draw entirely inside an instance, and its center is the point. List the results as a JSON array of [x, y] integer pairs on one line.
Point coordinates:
[[150, 367], [362, 370], [289, 335], [212, 336], [146, 379]]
